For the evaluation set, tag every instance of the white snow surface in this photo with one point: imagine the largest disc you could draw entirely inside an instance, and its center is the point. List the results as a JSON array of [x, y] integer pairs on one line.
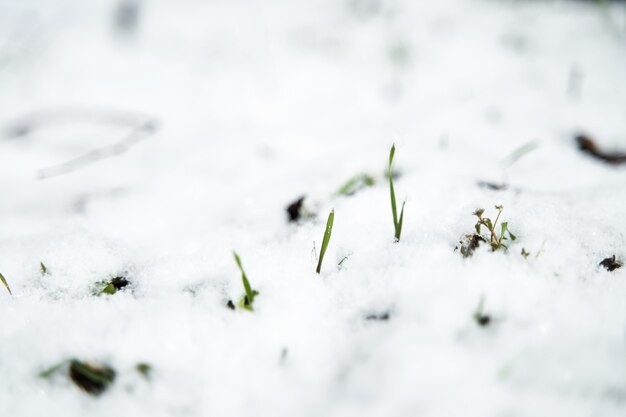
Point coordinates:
[[259, 102]]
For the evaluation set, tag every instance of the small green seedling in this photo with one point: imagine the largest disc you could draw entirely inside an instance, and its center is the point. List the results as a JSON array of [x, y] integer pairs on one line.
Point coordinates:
[[92, 378], [355, 183], [496, 239], [248, 298], [111, 286], [6, 285], [481, 318], [327, 233], [43, 268], [145, 369], [397, 223]]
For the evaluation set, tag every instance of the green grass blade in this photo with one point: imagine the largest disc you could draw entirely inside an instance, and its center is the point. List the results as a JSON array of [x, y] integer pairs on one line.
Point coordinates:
[[327, 233], [399, 228], [354, 184], [43, 268], [4, 281], [50, 371], [348, 186], [246, 284], [394, 210], [479, 310]]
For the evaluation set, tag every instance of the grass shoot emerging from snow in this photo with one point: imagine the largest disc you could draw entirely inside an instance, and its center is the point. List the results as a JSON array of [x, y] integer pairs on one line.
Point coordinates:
[[397, 223], [92, 378], [494, 237], [144, 368], [4, 282], [248, 298], [355, 183], [326, 240], [481, 318], [112, 286]]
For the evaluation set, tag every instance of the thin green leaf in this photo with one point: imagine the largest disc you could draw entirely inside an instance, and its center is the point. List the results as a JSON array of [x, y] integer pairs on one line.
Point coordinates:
[[392, 194], [250, 293], [43, 268], [399, 229], [52, 370], [503, 228], [4, 281], [108, 289], [326, 240], [354, 184], [479, 310]]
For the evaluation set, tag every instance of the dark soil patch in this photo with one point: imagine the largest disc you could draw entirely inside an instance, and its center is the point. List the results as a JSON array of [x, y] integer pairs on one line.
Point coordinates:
[[384, 316], [589, 146], [294, 210], [91, 378], [493, 186], [471, 243], [611, 264]]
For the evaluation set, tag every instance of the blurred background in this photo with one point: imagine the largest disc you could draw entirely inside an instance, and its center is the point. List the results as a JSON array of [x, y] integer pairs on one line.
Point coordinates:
[[109, 107]]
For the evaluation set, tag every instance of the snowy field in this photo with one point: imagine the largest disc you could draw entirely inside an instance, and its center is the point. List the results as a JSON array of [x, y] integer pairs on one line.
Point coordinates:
[[150, 143]]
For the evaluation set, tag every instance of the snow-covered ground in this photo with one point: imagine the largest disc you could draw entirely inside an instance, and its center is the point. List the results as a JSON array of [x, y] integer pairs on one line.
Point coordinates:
[[249, 105]]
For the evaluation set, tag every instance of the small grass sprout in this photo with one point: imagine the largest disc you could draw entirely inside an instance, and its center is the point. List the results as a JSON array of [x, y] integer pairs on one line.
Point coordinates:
[[6, 284], [480, 317], [248, 299], [145, 369], [326, 239], [397, 222], [43, 268], [92, 378], [111, 286], [355, 184]]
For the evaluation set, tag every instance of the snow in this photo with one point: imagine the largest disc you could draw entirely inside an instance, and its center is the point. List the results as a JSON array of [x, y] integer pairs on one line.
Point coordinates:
[[257, 103]]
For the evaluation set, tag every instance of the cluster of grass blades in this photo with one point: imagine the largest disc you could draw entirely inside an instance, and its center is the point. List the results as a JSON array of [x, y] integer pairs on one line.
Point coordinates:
[[397, 222], [495, 238]]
